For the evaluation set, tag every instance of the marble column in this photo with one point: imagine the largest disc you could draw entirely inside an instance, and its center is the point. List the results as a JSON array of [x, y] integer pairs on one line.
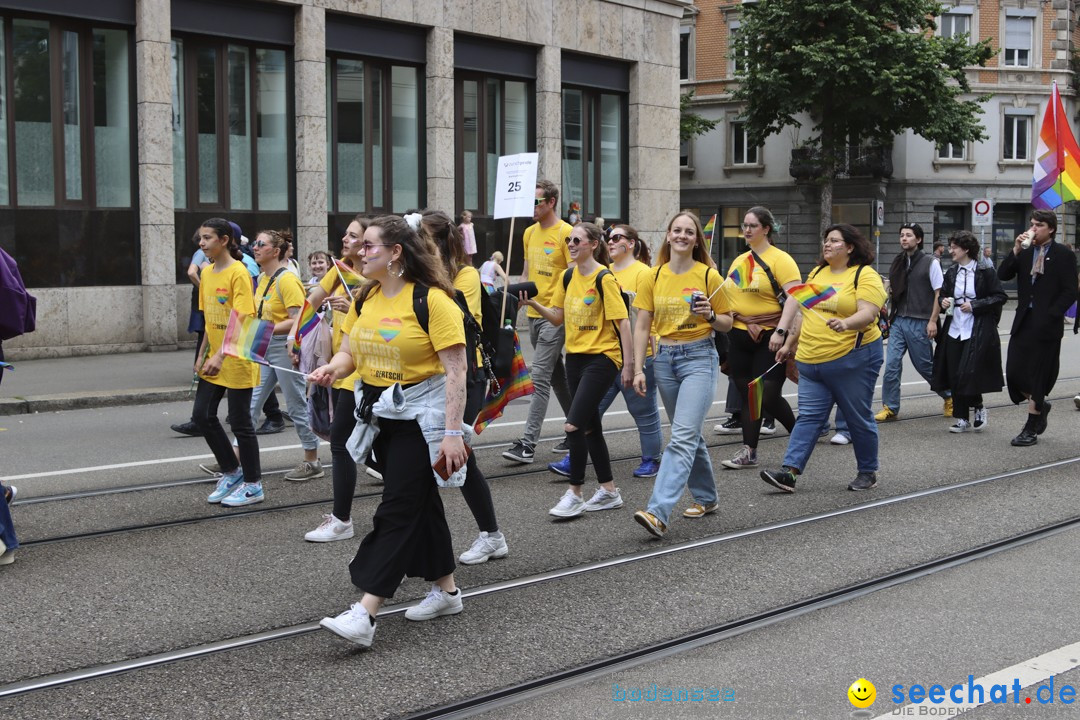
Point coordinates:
[[440, 120], [310, 84], [549, 117], [155, 173]]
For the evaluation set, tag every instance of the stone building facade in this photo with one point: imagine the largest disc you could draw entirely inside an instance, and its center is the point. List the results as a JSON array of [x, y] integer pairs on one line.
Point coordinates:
[[127, 122]]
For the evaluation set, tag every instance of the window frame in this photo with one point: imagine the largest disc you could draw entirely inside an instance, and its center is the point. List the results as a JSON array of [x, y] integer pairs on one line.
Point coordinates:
[[84, 30], [688, 30], [191, 42], [1028, 117], [731, 120], [592, 130], [1031, 49], [385, 68]]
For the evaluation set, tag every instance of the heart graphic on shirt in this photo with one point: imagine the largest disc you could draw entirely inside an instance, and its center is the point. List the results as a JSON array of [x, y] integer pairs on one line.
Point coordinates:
[[688, 293], [549, 247], [389, 328], [590, 296], [222, 295]]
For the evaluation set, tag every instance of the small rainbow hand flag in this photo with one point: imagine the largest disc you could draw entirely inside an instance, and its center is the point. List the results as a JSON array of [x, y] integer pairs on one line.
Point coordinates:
[[708, 230], [810, 295], [347, 275], [247, 338], [755, 391], [519, 384], [308, 321], [743, 272], [6, 366]]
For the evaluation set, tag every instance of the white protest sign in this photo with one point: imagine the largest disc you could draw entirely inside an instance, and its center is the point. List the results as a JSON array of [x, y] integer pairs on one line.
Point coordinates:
[[515, 186]]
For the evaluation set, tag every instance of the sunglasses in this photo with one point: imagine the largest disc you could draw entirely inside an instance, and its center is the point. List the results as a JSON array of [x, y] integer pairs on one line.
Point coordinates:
[[540, 201], [617, 238], [574, 241]]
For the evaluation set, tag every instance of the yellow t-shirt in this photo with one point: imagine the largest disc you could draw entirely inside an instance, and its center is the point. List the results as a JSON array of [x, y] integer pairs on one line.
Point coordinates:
[[387, 343], [630, 277], [468, 282], [817, 342], [667, 296], [331, 285], [759, 298], [548, 257], [286, 292], [220, 292], [589, 324]]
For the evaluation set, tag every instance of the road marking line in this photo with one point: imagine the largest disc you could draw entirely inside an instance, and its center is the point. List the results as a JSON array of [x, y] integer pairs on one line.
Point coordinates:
[[1029, 672]]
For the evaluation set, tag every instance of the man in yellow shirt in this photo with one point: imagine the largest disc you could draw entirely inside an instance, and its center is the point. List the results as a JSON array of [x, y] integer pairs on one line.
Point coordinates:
[[546, 259]]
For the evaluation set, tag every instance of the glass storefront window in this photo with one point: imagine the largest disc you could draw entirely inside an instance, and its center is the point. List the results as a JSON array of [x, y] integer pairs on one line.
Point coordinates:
[[594, 153], [206, 124], [611, 156], [239, 128], [470, 142], [349, 127], [272, 129], [574, 142], [32, 99], [5, 188], [405, 132], [179, 165], [69, 74], [112, 113]]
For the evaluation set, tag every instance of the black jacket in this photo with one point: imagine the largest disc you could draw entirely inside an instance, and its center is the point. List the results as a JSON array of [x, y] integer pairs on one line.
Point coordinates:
[[1049, 296], [980, 365]]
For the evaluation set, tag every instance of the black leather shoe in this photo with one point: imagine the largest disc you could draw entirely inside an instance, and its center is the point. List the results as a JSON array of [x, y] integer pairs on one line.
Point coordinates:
[[188, 428], [1040, 427], [271, 427], [863, 481], [1026, 437]]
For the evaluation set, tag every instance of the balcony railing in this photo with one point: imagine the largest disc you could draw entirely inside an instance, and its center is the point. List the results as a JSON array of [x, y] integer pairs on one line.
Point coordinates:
[[857, 161]]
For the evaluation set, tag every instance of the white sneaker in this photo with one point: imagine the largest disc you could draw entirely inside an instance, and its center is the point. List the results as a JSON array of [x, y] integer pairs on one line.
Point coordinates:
[[768, 428], [484, 548], [436, 604], [331, 529], [570, 505], [355, 625], [373, 472], [981, 418], [604, 500], [1076, 402], [960, 426], [839, 439]]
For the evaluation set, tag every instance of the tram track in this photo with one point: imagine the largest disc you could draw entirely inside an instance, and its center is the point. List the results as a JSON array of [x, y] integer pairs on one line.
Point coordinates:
[[519, 692]]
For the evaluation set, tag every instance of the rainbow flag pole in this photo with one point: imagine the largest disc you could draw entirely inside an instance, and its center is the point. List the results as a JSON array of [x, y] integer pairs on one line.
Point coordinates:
[[305, 323], [247, 338], [809, 295], [708, 232], [1056, 174], [344, 271], [755, 393]]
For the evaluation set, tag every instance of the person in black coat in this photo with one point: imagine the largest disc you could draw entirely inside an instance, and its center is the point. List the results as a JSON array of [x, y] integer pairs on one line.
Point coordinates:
[[1046, 286], [968, 354]]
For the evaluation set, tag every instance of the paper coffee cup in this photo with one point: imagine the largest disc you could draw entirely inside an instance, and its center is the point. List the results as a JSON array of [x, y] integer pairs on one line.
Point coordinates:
[[1026, 242]]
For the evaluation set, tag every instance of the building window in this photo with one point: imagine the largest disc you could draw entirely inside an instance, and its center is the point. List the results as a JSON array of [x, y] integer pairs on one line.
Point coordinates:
[[954, 25], [686, 52], [738, 60], [1017, 137], [1018, 33], [594, 152], [230, 126], [731, 243], [494, 117], [684, 154], [742, 152], [952, 151], [373, 136]]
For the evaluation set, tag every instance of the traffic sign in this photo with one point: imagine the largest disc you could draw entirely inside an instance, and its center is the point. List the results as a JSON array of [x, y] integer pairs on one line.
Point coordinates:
[[982, 212], [879, 213]]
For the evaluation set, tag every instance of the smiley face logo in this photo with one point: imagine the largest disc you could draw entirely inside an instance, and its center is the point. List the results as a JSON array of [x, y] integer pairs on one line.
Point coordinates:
[[389, 328], [590, 296], [862, 693], [549, 247]]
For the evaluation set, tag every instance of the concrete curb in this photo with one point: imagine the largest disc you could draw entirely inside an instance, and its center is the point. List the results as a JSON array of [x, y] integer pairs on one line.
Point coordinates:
[[92, 399]]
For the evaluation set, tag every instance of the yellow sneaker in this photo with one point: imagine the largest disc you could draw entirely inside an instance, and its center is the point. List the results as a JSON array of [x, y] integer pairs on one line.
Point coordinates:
[[946, 410], [886, 414]]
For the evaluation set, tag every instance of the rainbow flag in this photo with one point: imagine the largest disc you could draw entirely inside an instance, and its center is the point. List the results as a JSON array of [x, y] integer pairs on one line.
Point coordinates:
[[519, 384], [1056, 177], [743, 272], [810, 295], [755, 391], [308, 321], [347, 275], [709, 229], [6, 366], [247, 338]]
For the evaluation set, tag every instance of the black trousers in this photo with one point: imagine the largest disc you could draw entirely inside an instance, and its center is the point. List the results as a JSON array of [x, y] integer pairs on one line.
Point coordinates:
[[589, 376], [962, 403], [205, 416], [476, 491], [409, 534], [747, 360], [344, 468], [1031, 364]]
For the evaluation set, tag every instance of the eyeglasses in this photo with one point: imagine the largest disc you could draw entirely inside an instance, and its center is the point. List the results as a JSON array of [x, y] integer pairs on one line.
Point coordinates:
[[573, 240], [366, 247], [540, 201], [260, 243]]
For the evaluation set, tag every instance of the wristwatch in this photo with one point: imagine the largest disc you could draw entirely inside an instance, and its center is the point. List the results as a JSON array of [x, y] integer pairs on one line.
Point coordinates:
[[781, 332], [712, 318]]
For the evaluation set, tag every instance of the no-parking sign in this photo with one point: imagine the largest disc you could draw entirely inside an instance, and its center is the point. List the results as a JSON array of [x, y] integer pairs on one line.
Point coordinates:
[[982, 212]]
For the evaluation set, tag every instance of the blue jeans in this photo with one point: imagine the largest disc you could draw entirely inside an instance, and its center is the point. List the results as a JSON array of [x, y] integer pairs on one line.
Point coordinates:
[[847, 381], [7, 527], [907, 335], [644, 410], [292, 387], [686, 379]]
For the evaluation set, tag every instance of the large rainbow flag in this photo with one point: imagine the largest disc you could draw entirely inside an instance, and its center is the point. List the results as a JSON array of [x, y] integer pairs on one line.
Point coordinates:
[[347, 275], [247, 338], [1056, 177], [743, 272], [810, 295], [308, 321], [519, 384]]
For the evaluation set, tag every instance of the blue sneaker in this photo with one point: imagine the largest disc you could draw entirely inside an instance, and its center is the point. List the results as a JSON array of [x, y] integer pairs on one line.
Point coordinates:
[[244, 494], [225, 485], [562, 467], [648, 468]]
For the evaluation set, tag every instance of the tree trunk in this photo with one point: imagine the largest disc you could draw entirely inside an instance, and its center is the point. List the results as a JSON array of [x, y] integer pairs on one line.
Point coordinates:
[[826, 198]]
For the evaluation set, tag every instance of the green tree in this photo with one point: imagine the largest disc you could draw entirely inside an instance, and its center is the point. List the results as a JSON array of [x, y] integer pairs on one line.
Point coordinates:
[[690, 123], [862, 70]]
